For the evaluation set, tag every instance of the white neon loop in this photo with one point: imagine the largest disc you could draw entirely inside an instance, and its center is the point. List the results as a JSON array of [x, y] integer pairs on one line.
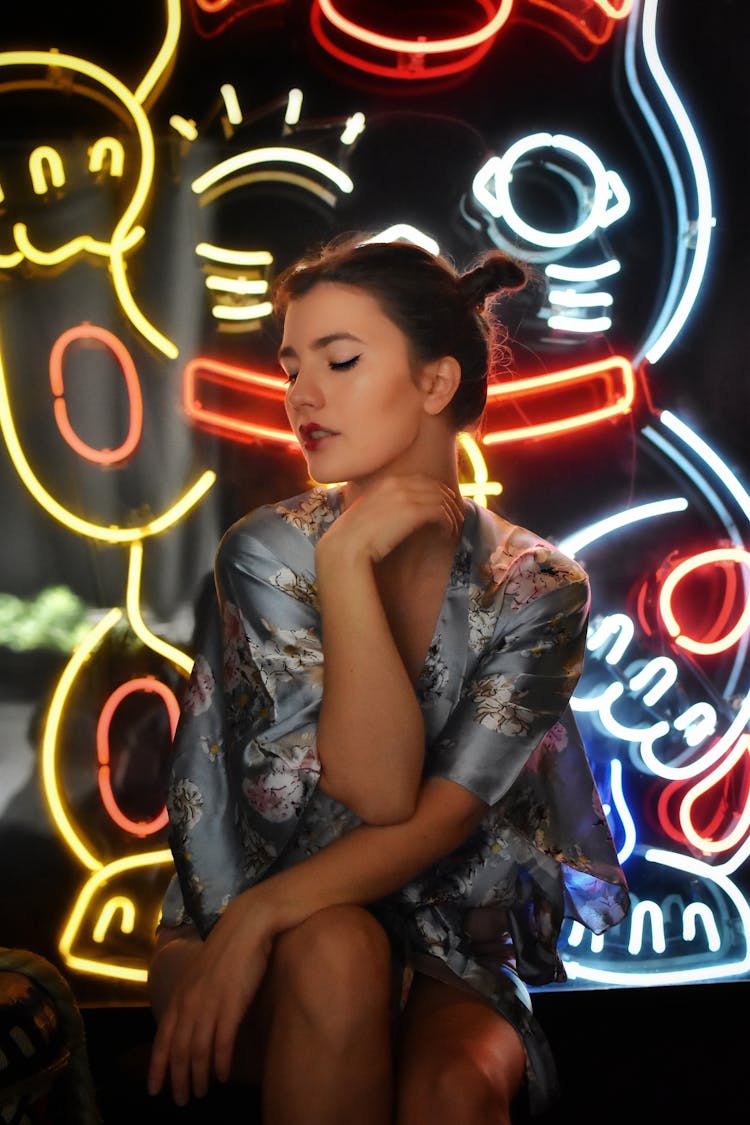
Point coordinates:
[[273, 154], [580, 324], [583, 273], [712, 459], [615, 623], [638, 914], [501, 169], [621, 206], [707, 873], [675, 310], [410, 46], [693, 911], [697, 723], [644, 737], [580, 539], [660, 666], [572, 299]]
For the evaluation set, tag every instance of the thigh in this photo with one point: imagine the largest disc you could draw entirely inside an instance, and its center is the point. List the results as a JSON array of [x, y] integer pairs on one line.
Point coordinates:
[[174, 952], [455, 1052]]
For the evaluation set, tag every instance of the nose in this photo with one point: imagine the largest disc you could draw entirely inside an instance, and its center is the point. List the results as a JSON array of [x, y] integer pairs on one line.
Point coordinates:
[[305, 391]]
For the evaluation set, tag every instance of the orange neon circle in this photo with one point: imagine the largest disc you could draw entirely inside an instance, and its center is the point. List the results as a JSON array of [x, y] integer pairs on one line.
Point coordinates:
[[141, 683], [132, 384], [687, 566], [417, 46]]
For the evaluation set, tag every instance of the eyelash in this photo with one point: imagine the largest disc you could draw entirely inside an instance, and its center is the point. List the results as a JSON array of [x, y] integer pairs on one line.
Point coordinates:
[[344, 365]]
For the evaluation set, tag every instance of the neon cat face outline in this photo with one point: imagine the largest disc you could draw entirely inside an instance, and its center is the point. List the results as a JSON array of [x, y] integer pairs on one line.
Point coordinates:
[[27, 69]]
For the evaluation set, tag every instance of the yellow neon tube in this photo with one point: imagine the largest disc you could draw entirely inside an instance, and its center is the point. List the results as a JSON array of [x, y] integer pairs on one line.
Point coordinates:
[[84, 527], [49, 738], [120, 242], [132, 602], [95, 881], [46, 157]]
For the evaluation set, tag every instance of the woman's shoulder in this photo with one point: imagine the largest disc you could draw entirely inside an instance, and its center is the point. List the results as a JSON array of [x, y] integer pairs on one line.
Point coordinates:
[[282, 531], [309, 512], [514, 557]]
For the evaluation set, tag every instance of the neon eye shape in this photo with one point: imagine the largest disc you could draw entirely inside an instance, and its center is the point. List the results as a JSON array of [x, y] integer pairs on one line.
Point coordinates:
[[110, 151], [45, 161]]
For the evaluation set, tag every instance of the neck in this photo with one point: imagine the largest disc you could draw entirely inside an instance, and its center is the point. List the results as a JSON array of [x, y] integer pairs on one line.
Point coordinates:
[[441, 465]]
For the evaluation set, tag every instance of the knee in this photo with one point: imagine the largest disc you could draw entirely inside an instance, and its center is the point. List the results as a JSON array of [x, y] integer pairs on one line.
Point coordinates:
[[335, 967], [455, 1086]]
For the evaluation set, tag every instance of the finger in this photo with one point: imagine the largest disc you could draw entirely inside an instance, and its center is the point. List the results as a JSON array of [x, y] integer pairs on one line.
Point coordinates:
[[226, 1035], [201, 1054], [160, 1052], [180, 1057]]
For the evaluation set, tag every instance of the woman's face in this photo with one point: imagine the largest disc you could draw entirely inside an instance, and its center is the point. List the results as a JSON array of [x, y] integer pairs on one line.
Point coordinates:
[[353, 400]]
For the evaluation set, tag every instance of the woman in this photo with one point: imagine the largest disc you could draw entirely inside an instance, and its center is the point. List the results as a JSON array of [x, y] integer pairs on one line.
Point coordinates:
[[375, 848]]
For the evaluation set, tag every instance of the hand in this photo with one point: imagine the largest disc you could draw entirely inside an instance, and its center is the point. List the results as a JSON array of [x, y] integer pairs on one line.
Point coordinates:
[[387, 513], [197, 1031]]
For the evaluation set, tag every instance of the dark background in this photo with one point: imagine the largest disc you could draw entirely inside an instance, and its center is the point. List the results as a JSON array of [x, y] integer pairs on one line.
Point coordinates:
[[675, 1041]]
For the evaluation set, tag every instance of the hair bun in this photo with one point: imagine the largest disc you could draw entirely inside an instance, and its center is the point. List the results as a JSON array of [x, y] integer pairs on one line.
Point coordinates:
[[495, 273]]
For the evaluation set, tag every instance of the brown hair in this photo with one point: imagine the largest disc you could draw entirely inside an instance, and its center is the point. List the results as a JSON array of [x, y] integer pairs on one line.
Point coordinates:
[[440, 311]]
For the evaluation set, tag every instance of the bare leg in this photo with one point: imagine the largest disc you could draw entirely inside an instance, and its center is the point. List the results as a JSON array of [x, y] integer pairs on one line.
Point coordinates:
[[174, 951], [458, 1060], [328, 1060], [318, 1034]]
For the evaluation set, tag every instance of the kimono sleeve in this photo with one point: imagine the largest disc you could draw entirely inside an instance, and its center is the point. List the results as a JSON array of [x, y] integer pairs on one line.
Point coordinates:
[[521, 683], [245, 761]]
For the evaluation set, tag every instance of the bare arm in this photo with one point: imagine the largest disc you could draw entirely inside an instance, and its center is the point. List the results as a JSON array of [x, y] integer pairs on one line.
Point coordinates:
[[198, 1029], [370, 731]]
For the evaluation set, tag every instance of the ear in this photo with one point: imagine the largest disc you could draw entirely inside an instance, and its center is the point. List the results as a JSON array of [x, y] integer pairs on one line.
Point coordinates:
[[439, 382]]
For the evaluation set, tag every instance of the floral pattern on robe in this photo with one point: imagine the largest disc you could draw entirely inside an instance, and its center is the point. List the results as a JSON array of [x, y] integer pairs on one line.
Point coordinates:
[[505, 658]]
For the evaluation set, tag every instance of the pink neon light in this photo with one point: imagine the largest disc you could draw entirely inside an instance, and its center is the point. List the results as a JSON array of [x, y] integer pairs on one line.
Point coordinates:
[[704, 843], [243, 391], [132, 384], [593, 21], [249, 405], [718, 557], [213, 17], [412, 65], [141, 683], [611, 378], [420, 46]]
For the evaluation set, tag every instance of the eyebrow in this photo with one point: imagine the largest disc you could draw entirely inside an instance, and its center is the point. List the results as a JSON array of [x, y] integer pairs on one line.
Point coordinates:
[[322, 342]]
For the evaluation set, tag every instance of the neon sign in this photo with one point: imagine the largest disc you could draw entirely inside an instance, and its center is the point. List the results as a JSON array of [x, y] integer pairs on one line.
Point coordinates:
[[664, 703]]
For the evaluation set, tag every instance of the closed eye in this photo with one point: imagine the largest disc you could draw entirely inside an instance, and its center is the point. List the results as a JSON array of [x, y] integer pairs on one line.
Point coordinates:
[[345, 364]]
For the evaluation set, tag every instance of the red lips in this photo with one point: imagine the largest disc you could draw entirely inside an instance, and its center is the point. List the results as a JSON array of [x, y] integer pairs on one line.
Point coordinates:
[[312, 434]]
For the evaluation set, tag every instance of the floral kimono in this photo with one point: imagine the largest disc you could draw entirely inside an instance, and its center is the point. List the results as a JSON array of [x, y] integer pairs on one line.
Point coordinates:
[[504, 660]]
